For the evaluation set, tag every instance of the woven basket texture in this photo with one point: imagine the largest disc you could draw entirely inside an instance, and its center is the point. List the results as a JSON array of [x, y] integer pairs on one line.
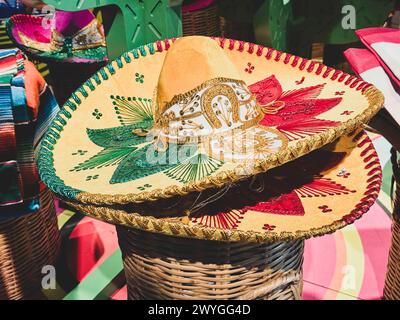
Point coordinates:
[[392, 285], [27, 244], [204, 22], [165, 267]]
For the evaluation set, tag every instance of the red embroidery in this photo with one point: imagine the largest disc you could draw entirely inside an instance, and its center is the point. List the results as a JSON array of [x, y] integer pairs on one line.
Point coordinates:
[[286, 204], [299, 82], [250, 68], [321, 188], [294, 105], [346, 113], [224, 220], [343, 174], [300, 129], [268, 227], [340, 93], [325, 209]]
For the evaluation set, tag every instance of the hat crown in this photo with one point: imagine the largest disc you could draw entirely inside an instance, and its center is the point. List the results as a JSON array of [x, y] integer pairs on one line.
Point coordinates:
[[189, 63], [69, 23], [200, 93], [76, 31]]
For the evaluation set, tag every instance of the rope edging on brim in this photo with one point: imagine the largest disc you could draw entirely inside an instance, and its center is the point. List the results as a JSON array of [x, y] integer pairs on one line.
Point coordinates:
[[303, 147], [179, 229]]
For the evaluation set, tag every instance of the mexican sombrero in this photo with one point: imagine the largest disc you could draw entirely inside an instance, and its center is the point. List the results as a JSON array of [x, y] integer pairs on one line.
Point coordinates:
[[172, 118], [75, 37], [316, 194]]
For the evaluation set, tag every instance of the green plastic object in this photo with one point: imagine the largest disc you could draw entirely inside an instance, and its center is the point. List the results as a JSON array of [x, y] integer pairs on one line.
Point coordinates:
[[131, 23], [294, 25]]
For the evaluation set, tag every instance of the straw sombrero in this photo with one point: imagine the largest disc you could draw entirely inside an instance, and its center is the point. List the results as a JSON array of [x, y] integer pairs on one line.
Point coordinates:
[[75, 37], [174, 118], [317, 194]]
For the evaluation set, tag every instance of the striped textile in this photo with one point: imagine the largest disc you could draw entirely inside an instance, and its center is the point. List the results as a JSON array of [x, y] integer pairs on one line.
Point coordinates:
[[5, 41], [21, 129]]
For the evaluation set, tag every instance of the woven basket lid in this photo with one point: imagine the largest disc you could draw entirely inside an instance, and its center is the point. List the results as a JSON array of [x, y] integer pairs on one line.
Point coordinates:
[[317, 194], [73, 37], [95, 152]]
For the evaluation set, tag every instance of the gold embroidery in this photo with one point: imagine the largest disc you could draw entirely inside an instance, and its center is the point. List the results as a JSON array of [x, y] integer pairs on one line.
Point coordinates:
[[213, 110], [247, 145], [189, 95], [33, 44], [273, 107], [87, 38]]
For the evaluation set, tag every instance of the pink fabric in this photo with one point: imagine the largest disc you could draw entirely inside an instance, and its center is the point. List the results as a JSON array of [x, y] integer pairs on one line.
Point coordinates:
[[370, 36], [66, 23], [198, 5], [30, 26], [361, 60], [69, 23]]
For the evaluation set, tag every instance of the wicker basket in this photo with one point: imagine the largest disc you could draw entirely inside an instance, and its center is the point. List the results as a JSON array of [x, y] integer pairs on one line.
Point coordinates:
[[26, 245], [204, 22], [237, 30], [164, 267], [392, 285]]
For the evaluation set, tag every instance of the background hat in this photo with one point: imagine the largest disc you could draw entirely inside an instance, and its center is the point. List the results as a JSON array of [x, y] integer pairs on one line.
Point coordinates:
[[67, 36], [311, 196], [93, 153]]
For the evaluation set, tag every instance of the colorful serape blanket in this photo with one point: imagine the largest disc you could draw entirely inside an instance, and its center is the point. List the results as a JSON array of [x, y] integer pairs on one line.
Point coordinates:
[[25, 111], [379, 64]]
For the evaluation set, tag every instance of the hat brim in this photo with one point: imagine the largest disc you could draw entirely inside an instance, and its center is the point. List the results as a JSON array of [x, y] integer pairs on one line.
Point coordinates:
[[314, 195], [90, 154], [30, 35]]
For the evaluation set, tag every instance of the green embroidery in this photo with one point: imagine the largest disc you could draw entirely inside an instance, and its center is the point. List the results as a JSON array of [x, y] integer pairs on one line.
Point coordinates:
[[148, 161], [139, 78], [143, 188], [79, 153], [97, 114], [90, 178], [46, 158], [196, 168], [132, 110], [105, 158], [122, 136]]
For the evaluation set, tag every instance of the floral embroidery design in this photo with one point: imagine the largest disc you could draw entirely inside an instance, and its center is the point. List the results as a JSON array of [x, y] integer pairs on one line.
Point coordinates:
[[97, 114], [250, 68], [136, 152], [139, 77], [284, 189], [293, 112], [135, 155]]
